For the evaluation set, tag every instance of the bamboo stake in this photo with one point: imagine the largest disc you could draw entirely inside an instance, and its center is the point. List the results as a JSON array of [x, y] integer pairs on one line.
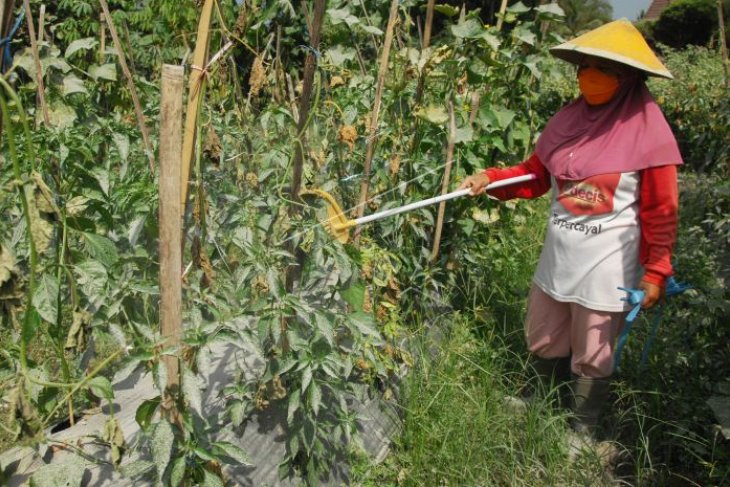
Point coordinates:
[[474, 110], [445, 182], [372, 132], [37, 59], [425, 45], [41, 23], [305, 100], [130, 84], [429, 24], [197, 78], [171, 108], [310, 64], [502, 11], [102, 37], [723, 43]]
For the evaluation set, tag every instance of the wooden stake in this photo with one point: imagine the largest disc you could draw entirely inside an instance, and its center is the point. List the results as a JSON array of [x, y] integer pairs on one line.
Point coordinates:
[[130, 84], [445, 182], [171, 107], [195, 85], [37, 59], [373, 129]]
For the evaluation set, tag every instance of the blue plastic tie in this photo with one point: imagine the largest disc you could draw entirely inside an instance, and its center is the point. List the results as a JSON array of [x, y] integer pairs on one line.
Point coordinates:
[[635, 297], [7, 55]]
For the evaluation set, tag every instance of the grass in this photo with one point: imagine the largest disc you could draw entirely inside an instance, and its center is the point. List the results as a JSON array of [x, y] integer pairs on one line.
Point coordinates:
[[458, 431]]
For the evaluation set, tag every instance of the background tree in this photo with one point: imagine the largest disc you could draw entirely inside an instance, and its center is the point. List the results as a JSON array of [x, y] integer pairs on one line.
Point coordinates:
[[688, 22], [584, 15]]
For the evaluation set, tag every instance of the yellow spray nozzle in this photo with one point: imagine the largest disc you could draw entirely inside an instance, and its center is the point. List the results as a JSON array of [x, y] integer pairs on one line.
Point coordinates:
[[337, 223]]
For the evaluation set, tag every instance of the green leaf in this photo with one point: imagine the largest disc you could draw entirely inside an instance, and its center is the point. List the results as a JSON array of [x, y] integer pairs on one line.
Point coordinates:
[[105, 71], [306, 377], [445, 9], [464, 134], [324, 326], [91, 276], [371, 29], [136, 468], [101, 387], [146, 411], [519, 8], [365, 324], [354, 295], [294, 403], [191, 388], [234, 452], [122, 143], [59, 475], [338, 55], [80, 45], [45, 298], [101, 248], [315, 397], [73, 84], [211, 480], [469, 29], [162, 441], [434, 114], [177, 472], [551, 9]]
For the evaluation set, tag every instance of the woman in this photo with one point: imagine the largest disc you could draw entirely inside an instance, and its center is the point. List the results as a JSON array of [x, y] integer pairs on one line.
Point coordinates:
[[610, 159]]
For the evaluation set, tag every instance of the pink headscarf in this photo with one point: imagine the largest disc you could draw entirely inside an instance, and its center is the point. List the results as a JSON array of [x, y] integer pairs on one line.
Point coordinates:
[[627, 134]]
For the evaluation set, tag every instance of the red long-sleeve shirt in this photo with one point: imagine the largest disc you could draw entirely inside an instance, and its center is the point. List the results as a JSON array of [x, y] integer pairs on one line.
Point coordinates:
[[658, 205]]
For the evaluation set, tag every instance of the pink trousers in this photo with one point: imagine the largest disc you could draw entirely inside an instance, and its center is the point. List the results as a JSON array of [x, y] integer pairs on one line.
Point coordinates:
[[555, 329]]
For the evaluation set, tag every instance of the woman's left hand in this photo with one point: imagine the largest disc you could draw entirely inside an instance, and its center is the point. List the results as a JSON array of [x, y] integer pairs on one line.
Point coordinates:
[[652, 294]]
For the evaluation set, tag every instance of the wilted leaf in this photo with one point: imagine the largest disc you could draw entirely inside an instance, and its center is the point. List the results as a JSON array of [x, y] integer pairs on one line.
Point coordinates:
[[80, 45], [7, 264], [114, 435], [61, 115], [76, 205]]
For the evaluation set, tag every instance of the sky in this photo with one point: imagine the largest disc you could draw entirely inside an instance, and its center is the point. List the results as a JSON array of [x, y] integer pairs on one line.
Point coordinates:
[[629, 8]]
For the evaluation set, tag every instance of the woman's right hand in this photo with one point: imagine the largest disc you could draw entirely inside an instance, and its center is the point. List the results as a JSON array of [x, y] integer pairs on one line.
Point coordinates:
[[477, 182]]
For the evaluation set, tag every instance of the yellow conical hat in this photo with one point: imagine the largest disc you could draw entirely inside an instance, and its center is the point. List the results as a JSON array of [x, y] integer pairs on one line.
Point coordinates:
[[618, 41]]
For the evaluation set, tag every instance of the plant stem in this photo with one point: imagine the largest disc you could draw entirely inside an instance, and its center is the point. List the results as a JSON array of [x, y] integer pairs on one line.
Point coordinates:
[[82, 383]]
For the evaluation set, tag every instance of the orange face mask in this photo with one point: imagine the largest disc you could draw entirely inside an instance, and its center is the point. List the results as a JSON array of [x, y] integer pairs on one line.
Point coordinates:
[[596, 86]]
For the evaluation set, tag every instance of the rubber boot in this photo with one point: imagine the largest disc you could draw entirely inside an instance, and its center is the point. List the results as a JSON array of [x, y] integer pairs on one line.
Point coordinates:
[[549, 373], [589, 397]]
